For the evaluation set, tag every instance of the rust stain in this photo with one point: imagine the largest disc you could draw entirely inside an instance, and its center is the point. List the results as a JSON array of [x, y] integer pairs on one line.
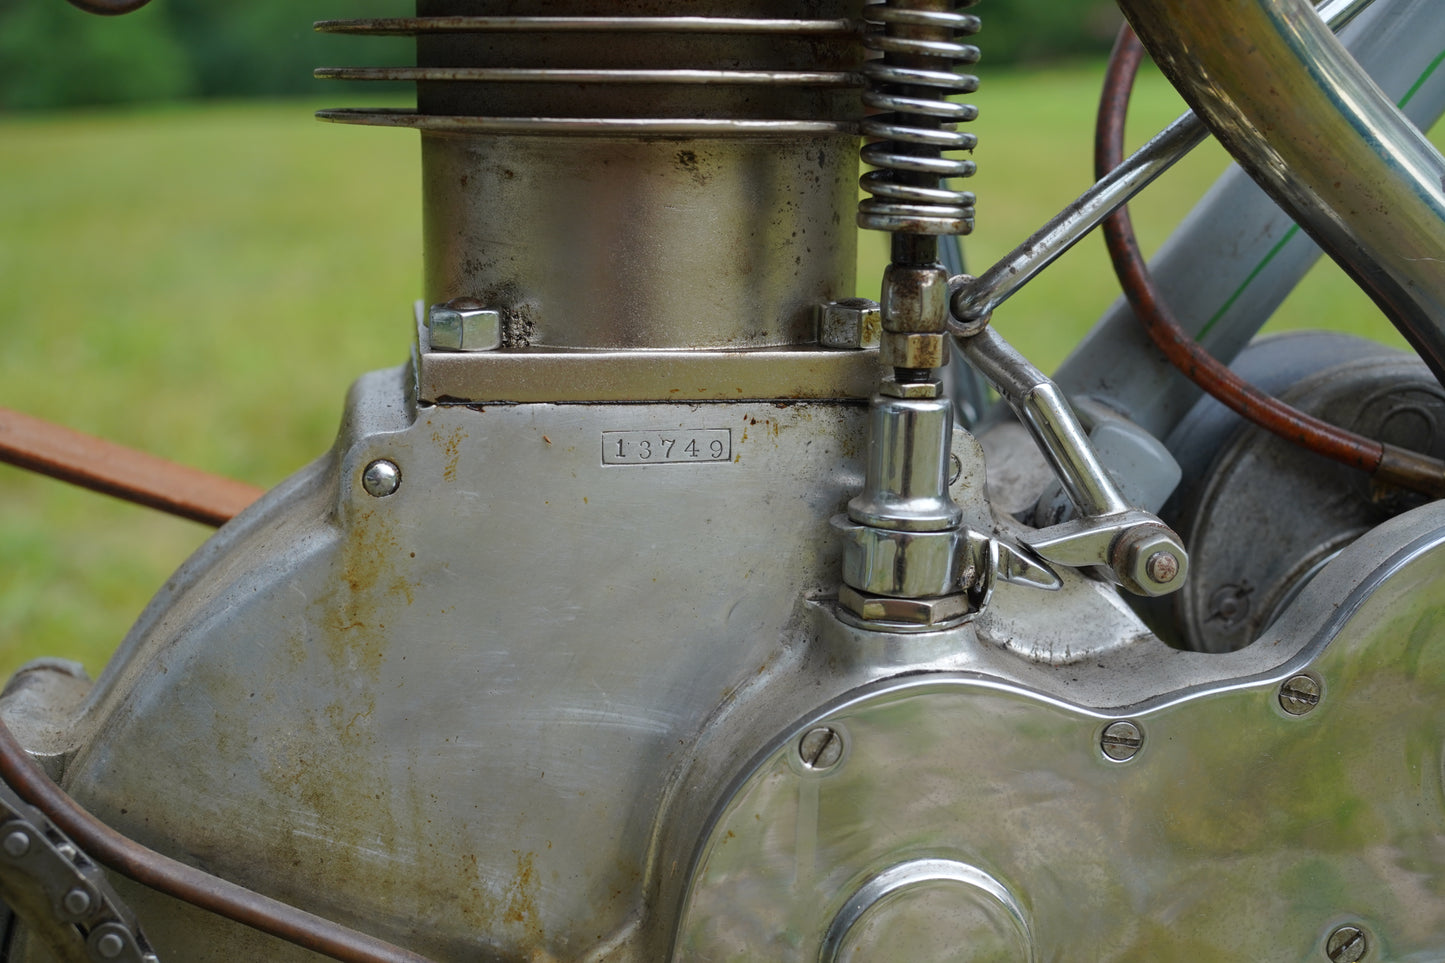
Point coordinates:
[[451, 446]]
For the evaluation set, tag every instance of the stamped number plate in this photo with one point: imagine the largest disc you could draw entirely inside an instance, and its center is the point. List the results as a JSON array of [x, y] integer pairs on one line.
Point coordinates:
[[680, 447]]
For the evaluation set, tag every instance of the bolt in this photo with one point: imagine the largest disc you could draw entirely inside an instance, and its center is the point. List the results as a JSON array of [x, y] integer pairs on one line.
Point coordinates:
[[853, 323], [1299, 695], [110, 945], [381, 478], [821, 748], [1143, 555], [77, 902], [1347, 944], [1162, 567], [1121, 741]]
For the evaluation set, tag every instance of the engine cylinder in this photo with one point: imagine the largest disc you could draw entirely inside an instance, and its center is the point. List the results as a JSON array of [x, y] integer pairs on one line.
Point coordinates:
[[667, 175]]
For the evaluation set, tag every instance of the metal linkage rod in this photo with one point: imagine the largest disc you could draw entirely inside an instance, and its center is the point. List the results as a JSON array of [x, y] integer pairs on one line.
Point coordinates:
[[973, 302]]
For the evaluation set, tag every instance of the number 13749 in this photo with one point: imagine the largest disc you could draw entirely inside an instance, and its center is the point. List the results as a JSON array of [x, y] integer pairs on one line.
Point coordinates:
[[667, 447]]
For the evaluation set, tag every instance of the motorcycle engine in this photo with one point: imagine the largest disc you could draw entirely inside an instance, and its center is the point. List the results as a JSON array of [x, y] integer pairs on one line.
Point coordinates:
[[657, 609]]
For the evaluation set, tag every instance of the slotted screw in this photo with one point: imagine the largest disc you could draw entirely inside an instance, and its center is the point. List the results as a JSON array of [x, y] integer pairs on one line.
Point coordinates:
[[1121, 741], [1299, 695], [1347, 945], [821, 748]]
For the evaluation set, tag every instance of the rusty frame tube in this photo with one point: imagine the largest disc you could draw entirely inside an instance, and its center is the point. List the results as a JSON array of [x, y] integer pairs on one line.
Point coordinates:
[[1310, 126], [111, 469]]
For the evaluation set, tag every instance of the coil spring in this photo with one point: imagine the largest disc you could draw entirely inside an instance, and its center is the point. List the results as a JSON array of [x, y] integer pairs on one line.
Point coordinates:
[[909, 85]]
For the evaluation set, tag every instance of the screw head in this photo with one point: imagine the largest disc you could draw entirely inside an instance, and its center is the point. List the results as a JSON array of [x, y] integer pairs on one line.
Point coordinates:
[[1299, 694], [1121, 741], [821, 748], [1347, 944], [77, 902], [17, 843], [381, 478]]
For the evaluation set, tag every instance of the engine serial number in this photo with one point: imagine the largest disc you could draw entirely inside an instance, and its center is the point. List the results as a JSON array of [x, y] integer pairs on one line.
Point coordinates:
[[681, 447]]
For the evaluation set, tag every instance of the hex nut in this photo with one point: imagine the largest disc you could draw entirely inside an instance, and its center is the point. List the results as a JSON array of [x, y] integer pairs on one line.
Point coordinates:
[[933, 612], [854, 323], [1136, 560], [381, 478], [463, 324], [1121, 741], [915, 299], [927, 390], [913, 350]]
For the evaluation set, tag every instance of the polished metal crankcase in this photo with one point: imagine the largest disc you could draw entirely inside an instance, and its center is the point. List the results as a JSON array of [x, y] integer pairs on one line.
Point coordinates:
[[1156, 806]]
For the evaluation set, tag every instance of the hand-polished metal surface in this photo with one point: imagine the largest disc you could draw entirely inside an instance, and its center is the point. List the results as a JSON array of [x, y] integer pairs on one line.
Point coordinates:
[[1231, 823]]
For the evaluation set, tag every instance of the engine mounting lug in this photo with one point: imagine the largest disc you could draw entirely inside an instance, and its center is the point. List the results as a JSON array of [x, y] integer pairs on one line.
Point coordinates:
[[1299, 694], [1121, 741], [821, 748], [1347, 944], [381, 478]]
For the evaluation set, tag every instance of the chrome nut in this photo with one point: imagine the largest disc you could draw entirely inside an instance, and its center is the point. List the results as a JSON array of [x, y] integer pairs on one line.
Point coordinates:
[[852, 323], [913, 350], [915, 299], [463, 324], [934, 612]]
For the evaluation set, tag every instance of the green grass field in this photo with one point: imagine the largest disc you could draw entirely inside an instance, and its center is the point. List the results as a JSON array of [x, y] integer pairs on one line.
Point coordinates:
[[203, 282]]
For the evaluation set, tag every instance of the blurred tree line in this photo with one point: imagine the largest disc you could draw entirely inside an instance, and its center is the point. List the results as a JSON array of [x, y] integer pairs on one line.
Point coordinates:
[[53, 55]]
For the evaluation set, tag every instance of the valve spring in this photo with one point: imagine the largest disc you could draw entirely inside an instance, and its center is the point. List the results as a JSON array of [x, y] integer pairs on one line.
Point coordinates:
[[909, 85]]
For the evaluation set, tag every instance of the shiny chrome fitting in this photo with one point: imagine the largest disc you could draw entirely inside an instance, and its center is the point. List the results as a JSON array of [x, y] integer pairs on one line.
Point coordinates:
[[913, 350], [463, 324], [900, 564], [915, 299], [852, 323], [938, 612], [906, 481]]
